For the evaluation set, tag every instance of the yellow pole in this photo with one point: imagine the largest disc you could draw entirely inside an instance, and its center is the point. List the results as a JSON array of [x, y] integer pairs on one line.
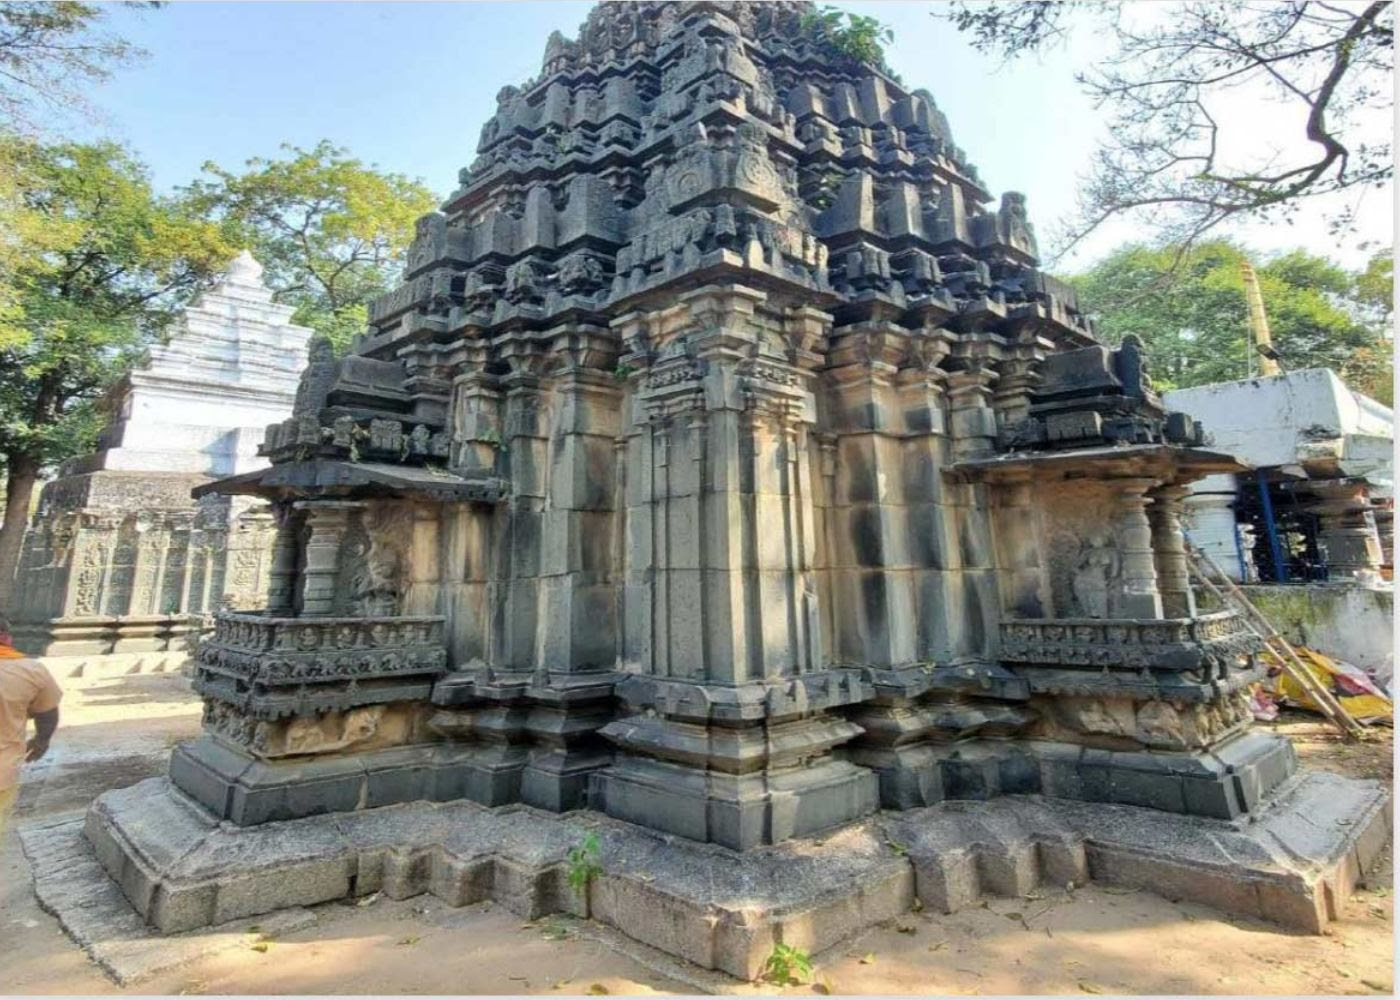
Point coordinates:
[[1258, 321]]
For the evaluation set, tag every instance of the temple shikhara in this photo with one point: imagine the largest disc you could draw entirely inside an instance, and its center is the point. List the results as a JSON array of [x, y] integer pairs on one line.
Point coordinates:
[[725, 468]]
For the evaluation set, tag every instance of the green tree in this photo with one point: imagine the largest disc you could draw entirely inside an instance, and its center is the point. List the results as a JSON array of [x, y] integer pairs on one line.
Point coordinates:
[[1375, 286], [99, 266], [50, 53], [329, 230], [1189, 309]]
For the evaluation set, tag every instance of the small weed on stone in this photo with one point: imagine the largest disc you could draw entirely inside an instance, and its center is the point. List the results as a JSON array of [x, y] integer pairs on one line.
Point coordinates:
[[583, 863], [787, 966]]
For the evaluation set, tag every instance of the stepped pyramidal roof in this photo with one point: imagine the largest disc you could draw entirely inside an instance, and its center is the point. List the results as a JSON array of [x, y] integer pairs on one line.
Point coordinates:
[[671, 142]]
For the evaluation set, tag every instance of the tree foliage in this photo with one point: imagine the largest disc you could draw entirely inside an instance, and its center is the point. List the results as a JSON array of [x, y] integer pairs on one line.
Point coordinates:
[[1167, 162], [329, 230], [50, 53], [96, 266], [851, 36], [101, 265], [1195, 329]]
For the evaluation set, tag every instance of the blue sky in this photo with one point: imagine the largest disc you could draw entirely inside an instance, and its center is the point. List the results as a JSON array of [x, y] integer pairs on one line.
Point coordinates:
[[408, 85]]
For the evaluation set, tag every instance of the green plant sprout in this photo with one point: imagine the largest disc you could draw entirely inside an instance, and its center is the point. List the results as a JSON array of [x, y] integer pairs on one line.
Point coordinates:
[[787, 965]]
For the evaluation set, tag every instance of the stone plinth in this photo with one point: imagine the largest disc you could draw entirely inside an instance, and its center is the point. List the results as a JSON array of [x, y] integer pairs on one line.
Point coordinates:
[[117, 540], [1295, 865]]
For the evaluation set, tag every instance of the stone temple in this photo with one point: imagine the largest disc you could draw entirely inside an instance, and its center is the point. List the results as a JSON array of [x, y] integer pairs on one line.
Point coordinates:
[[120, 560], [725, 472]]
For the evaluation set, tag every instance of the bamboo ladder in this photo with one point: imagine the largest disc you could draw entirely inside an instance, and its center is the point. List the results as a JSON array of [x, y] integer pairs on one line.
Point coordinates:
[[1234, 598]]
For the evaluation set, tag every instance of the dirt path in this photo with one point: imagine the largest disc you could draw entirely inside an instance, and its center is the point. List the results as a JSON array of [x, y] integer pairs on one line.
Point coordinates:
[[1087, 941]]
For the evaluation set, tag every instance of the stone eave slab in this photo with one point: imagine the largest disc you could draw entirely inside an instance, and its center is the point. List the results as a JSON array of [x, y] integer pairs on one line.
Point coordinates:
[[1116, 460], [314, 477]]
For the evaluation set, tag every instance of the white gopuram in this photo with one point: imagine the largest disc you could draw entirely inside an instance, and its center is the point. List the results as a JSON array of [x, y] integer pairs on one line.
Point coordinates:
[[119, 558]]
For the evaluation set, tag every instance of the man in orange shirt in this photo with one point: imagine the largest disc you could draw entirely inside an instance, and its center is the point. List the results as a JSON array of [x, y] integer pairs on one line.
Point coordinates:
[[27, 691]]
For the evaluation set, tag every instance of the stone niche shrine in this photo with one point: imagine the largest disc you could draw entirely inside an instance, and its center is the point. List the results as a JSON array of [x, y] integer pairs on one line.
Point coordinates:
[[724, 473], [119, 559]]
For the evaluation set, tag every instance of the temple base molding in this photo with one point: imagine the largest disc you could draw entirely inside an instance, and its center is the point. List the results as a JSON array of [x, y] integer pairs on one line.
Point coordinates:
[[1296, 864]]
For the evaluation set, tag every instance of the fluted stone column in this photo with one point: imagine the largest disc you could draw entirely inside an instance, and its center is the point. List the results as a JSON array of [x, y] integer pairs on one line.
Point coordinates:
[[1136, 594], [327, 521], [1173, 574]]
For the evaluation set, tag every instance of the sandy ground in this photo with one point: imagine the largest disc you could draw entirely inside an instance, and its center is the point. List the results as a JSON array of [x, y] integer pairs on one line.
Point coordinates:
[[1086, 941]]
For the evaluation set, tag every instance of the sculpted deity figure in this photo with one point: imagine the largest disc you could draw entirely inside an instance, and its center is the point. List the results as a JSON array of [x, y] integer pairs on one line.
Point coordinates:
[[1094, 575]]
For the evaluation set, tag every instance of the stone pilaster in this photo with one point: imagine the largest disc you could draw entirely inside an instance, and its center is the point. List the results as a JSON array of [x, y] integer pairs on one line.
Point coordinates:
[[1017, 379], [974, 422], [1135, 593], [326, 524], [1169, 547], [572, 686], [868, 519], [282, 577], [727, 736], [1017, 549]]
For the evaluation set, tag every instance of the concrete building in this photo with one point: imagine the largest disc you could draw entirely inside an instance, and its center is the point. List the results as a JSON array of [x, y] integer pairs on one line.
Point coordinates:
[[1317, 502], [1314, 511]]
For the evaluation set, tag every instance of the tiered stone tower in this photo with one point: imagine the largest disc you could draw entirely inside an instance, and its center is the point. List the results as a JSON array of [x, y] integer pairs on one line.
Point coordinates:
[[119, 558], [725, 463]]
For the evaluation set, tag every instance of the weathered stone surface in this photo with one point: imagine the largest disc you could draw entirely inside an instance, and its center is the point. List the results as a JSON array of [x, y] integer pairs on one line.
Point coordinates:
[[71, 884], [1295, 864]]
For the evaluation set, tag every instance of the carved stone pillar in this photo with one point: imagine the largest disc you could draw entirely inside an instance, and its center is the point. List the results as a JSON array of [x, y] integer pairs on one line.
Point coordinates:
[[1136, 594], [281, 587], [476, 408], [1173, 575], [1347, 530], [326, 520]]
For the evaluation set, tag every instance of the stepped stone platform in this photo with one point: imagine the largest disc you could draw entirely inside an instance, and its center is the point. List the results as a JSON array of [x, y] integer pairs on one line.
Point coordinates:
[[181, 869]]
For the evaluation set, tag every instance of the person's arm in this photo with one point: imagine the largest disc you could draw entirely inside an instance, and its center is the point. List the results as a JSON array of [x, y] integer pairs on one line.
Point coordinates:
[[43, 709], [44, 725]]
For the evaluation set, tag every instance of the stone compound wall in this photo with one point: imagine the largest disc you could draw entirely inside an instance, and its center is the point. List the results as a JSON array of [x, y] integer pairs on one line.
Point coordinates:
[[1351, 623]]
